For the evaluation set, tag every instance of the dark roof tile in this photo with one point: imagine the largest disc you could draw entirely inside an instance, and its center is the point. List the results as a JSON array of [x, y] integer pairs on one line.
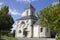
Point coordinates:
[[28, 17]]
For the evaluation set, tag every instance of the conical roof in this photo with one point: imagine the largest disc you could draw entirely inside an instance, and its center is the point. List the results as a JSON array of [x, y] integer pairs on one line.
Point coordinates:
[[30, 6]]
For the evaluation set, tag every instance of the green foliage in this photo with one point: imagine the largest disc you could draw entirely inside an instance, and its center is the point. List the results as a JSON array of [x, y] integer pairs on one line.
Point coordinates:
[[6, 20], [50, 17], [58, 38], [7, 38], [59, 0]]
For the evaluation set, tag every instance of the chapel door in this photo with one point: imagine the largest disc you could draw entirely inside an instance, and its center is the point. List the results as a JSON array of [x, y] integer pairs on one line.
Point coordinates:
[[25, 33]]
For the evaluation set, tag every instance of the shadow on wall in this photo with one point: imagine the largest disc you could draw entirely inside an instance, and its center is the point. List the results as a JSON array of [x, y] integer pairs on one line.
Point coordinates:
[[53, 33]]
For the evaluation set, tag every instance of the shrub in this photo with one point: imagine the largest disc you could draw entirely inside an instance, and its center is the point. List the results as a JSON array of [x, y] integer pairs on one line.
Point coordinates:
[[58, 38]]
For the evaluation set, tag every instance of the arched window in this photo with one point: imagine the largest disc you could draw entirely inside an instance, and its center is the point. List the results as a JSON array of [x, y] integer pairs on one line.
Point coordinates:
[[41, 29], [25, 29], [33, 22], [27, 13], [47, 30], [22, 22]]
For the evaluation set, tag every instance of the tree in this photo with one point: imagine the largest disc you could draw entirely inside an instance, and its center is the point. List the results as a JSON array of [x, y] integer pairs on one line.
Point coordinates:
[[6, 21], [50, 17], [13, 33]]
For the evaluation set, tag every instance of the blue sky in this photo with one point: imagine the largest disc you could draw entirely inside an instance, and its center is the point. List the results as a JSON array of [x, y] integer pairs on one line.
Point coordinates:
[[16, 7]]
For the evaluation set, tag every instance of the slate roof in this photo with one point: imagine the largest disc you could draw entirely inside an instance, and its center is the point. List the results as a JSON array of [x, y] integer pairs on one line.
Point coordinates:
[[37, 22], [28, 17]]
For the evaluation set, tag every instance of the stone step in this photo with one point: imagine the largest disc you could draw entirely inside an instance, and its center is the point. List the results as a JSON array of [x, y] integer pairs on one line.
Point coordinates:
[[35, 38]]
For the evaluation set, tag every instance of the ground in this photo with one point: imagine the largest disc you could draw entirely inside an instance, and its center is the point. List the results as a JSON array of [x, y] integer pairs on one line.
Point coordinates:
[[36, 39], [58, 38], [7, 38], [12, 38]]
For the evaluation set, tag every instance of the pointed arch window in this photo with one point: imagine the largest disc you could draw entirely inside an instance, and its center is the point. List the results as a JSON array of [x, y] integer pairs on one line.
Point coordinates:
[[41, 29], [47, 30], [33, 22], [19, 31]]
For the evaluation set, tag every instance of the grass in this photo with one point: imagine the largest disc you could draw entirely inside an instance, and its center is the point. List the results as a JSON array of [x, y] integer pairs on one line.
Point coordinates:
[[7, 38], [58, 38]]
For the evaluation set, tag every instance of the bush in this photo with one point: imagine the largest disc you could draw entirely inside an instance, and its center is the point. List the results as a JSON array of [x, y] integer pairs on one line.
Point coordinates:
[[58, 38]]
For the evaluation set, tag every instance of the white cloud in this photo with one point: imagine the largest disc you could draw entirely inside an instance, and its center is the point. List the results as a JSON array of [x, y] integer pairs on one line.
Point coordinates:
[[24, 13], [14, 27], [25, 1], [1, 3], [14, 12], [55, 3]]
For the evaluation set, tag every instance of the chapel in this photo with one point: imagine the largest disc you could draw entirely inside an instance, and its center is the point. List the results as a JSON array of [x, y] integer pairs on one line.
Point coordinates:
[[29, 26]]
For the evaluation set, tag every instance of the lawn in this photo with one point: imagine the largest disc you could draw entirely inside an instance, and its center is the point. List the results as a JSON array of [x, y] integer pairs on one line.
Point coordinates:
[[7, 38], [58, 38]]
